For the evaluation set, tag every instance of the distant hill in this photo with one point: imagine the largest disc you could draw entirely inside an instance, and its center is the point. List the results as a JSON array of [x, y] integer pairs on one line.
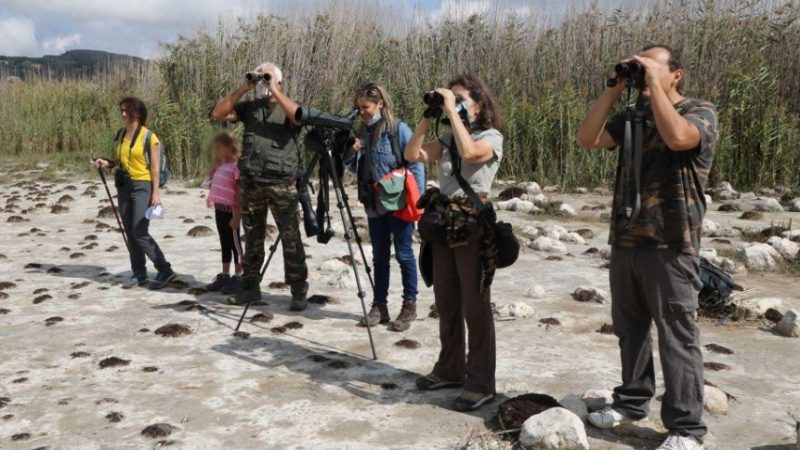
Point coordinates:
[[72, 64]]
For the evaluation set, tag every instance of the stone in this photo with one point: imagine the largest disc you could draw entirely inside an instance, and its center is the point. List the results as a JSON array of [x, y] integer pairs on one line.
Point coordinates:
[[792, 235], [726, 232], [755, 307], [536, 291], [576, 405], [333, 265], [517, 310], [530, 231], [555, 428], [516, 204], [795, 207], [546, 244], [538, 199], [532, 188], [597, 399], [587, 294], [709, 200], [554, 188], [581, 190], [343, 280], [714, 400], [573, 238], [605, 252], [788, 326], [708, 253], [554, 231], [567, 210], [761, 257], [709, 227], [768, 205], [786, 247], [747, 196]]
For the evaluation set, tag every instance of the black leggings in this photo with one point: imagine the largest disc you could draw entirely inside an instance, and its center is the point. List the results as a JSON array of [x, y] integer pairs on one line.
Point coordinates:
[[228, 238]]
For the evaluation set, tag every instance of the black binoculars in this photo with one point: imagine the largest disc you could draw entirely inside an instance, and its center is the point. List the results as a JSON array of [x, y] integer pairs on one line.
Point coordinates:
[[255, 77], [632, 71]]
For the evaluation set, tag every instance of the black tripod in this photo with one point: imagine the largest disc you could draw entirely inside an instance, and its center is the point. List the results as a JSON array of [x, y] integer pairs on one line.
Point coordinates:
[[323, 155]]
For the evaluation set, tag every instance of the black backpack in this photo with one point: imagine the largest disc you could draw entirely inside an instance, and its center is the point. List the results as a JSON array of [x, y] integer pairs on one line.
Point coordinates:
[[718, 285]]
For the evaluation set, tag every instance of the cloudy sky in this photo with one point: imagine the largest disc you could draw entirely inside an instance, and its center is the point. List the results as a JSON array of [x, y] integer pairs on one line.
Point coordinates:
[[136, 27]]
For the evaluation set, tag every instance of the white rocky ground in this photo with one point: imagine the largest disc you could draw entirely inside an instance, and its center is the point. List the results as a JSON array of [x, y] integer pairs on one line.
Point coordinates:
[[316, 386]]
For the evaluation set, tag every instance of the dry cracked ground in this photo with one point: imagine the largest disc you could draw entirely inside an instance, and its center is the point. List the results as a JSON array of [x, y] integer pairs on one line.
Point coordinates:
[[86, 364]]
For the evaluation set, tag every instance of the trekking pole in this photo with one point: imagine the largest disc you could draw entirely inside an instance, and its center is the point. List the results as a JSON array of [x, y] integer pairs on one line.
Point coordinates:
[[114, 208], [272, 249]]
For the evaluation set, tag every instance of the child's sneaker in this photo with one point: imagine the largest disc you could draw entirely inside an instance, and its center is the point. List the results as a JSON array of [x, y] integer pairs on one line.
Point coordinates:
[[219, 282], [233, 285]]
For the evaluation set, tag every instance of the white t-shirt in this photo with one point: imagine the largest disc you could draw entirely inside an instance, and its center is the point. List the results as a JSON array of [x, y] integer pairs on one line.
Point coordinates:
[[479, 176]]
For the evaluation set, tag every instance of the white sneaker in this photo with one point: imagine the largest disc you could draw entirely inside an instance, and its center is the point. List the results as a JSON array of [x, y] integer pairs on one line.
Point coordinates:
[[608, 417], [676, 442]]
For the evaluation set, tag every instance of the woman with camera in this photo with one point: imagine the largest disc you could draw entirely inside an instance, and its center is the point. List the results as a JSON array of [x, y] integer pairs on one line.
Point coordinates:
[[137, 180], [462, 252], [377, 156]]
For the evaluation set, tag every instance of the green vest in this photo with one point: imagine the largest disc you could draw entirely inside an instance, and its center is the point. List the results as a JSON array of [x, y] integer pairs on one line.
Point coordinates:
[[269, 143]]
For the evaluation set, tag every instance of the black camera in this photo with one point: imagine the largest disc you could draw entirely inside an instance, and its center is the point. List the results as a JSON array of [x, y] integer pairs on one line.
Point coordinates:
[[255, 77], [632, 71]]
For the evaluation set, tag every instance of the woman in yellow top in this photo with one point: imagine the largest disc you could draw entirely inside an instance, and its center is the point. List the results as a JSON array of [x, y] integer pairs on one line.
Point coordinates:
[[137, 190]]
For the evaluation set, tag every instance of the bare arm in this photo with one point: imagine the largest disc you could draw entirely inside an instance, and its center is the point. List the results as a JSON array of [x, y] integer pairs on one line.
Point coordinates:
[[225, 107], [155, 175], [471, 151], [417, 151], [288, 105], [677, 132], [592, 133]]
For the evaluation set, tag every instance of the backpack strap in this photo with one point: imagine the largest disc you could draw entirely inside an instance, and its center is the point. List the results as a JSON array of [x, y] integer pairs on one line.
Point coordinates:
[[394, 140], [486, 210], [147, 137]]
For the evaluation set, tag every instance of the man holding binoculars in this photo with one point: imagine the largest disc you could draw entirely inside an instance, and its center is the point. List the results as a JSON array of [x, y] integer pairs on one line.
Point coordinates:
[[654, 271], [269, 164]]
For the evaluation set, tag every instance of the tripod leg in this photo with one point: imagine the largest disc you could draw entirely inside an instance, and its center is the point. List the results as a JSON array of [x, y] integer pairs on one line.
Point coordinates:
[[339, 191], [367, 268], [114, 208], [272, 249]]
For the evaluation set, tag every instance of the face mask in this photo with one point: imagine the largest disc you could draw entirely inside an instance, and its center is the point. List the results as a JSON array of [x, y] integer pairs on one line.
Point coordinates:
[[262, 91], [375, 119]]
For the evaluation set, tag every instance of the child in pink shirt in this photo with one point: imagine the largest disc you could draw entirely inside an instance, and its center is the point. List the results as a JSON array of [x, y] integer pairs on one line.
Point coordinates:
[[224, 196]]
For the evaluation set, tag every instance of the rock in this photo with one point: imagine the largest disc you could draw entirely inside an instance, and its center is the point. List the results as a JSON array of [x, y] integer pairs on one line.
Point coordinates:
[[725, 191], [581, 190], [530, 231], [714, 400], [726, 232], [755, 307], [585, 233], [758, 256], [597, 399], [786, 247], [788, 326], [768, 205], [538, 199], [333, 265], [573, 238], [517, 310], [556, 428], [536, 291], [709, 227], [585, 294], [747, 196], [795, 207], [554, 231], [545, 244], [709, 200], [554, 188], [605, 252], [730, 207], [567, 210], [792, 235], [532, 188], [516, 204], [343, 280], [575, 404], [708, 253]]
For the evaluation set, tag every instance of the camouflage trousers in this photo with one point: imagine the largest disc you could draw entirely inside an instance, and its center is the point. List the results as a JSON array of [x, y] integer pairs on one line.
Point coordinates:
[[257, 200]]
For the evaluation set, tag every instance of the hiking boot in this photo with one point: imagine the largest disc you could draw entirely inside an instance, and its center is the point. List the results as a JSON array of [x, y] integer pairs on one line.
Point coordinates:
[[162, 279], [245, 295], [219, 282], [135, 281], [608, 417], [379, 313], [470, 401], [432, 382], [408, 314], [233, 285], [677, 442], [299, 302]]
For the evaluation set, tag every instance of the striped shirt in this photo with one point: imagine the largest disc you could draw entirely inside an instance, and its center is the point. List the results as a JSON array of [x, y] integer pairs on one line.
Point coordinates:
[[224, 185]]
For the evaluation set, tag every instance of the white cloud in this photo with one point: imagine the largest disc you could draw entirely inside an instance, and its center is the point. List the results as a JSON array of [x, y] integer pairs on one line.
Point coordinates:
[[58, 44], [17, 37]]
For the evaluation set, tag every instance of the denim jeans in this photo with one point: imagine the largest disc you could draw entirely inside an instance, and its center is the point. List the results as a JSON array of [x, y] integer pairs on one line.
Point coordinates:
[[383, 231]]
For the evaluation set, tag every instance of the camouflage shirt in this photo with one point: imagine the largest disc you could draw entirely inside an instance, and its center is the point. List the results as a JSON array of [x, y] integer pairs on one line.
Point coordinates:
[[672, 183]]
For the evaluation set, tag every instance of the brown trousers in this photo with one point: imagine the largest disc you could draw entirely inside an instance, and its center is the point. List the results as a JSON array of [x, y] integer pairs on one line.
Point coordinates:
[[457, 289]]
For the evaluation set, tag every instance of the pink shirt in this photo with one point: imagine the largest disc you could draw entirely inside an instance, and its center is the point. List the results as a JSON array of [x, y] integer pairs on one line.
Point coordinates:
[[224, 185]]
